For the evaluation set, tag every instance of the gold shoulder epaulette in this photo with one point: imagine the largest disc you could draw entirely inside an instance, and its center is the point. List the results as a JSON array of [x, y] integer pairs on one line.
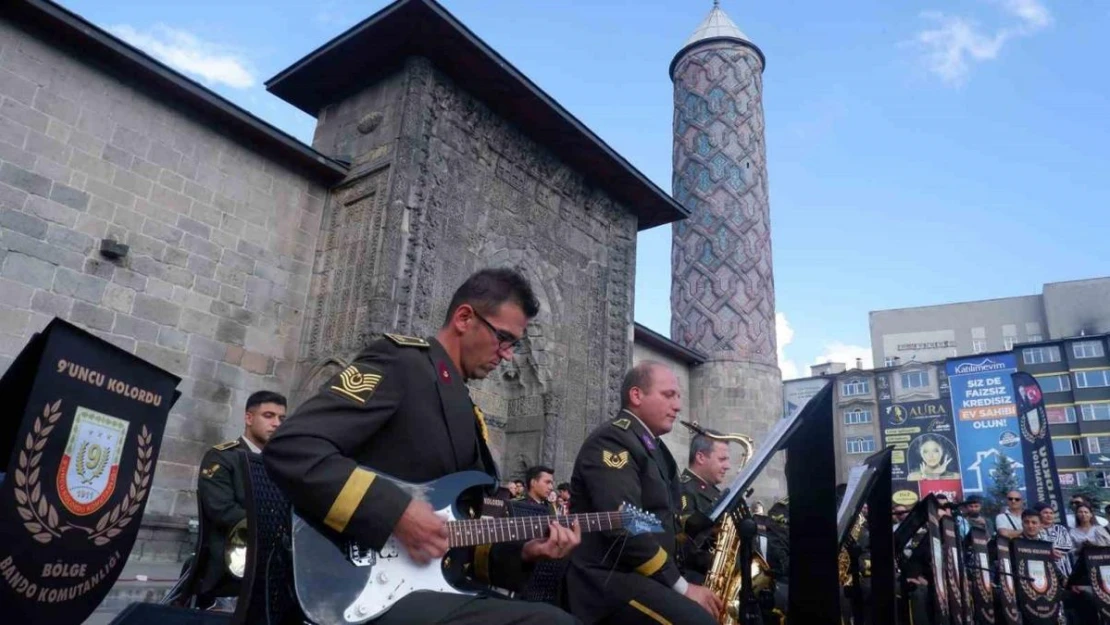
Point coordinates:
[[226, 446], [622, 423], [407, 341]]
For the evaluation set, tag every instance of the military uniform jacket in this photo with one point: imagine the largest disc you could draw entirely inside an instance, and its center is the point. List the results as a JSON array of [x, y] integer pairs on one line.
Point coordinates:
[[401, 409], [697, 496], [621, 462], [222, 496]]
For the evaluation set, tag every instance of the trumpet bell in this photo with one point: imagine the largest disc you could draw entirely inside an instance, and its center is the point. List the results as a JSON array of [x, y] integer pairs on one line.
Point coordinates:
[[235, 552]]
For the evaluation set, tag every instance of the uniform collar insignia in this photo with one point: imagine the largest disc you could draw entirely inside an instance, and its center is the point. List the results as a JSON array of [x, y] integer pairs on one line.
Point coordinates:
[[648, 441], [444, 372]]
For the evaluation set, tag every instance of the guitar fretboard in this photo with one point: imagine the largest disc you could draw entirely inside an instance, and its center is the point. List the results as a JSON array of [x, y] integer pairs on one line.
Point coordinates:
[[470, 532]]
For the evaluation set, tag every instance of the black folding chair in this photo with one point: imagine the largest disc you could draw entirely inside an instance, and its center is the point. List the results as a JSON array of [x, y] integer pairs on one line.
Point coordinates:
[[184, 592]]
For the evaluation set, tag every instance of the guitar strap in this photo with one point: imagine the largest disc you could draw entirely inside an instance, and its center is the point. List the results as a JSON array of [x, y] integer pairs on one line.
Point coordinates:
[[487, 459]]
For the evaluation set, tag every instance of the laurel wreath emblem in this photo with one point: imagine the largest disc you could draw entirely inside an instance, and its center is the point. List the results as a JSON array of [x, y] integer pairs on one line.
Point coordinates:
[[41, 517]]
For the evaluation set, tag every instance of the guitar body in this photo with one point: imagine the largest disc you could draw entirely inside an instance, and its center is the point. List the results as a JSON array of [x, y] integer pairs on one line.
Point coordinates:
[[339, 583]]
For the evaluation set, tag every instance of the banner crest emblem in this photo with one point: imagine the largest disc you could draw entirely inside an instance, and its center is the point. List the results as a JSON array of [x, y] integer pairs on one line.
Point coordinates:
[[89, 468]]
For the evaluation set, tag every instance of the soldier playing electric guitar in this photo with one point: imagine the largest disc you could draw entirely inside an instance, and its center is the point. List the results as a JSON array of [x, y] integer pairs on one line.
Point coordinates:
[[403, 408]]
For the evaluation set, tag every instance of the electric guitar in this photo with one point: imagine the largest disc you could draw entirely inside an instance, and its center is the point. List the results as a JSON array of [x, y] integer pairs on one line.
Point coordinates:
[[340, 582]]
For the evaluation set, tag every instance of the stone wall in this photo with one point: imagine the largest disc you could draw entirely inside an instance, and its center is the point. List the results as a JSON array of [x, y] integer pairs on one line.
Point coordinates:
[[441, 187], [743, 398], [221, 243]]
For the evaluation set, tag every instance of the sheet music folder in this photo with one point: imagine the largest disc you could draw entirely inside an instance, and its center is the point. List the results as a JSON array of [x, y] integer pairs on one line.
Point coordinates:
[[775, 440]]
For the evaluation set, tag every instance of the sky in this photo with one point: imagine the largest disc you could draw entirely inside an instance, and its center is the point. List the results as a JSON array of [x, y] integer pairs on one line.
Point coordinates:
[[919, 152]]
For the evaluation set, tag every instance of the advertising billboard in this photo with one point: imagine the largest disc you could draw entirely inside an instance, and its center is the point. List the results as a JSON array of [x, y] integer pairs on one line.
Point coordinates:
[[925, 458], [985, 415]]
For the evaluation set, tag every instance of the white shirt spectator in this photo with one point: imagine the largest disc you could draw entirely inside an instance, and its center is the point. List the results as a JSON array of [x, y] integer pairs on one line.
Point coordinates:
[[1007, 521]]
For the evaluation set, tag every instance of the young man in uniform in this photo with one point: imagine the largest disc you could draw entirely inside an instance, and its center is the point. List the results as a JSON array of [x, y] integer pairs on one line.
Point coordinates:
[[620, 579], [707, 465], [221, 494], [403, 408], [541, 483]]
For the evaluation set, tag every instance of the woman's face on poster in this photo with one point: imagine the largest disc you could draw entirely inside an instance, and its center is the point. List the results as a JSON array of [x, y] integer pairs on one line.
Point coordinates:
[[932, 454]]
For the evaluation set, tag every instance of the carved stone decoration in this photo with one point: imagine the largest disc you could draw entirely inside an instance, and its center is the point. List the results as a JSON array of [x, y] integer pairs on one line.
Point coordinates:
[[722, 290], [370, 122], [348, 268], [465, 190]]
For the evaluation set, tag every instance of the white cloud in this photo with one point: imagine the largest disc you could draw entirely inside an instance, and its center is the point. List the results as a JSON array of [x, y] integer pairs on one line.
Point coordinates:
[[954, 43], [188, 53], [845, 353], [784, 335]]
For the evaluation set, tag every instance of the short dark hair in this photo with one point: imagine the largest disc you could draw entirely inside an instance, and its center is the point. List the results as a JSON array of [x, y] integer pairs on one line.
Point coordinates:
[[639, 376], [265, 397], [1026, 513], [489, 288], [702, 443], [521, 482], [563, 486], [534, 473], [1041, 507]]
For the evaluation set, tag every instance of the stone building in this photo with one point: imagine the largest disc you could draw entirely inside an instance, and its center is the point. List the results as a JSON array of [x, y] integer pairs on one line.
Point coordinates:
[[255, 261]]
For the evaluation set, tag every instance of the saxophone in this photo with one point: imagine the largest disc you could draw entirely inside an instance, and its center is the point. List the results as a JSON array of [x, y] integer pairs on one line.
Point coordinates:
[[723, 578]]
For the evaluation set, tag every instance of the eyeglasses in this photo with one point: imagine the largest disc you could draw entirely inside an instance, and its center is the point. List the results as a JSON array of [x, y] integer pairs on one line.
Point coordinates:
[[1014, 498], [900, 513], [505, 340]]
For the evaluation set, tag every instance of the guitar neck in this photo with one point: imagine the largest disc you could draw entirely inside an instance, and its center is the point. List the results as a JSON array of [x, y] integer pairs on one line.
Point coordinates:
[[471, 532]]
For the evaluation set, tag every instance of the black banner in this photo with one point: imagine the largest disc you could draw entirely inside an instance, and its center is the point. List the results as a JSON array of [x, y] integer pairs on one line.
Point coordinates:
[[83, 424], [1098, 571], [925, 458], [979, 574], [953, 567], [1037, 582], [1041, 481], [942, 610], [1007, 603]]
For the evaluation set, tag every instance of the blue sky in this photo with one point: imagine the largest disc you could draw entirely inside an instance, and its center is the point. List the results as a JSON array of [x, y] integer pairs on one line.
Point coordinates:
[[919, 152]]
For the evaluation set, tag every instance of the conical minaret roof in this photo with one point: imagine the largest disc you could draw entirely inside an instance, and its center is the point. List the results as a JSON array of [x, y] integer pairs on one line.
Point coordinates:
[[716, 26]]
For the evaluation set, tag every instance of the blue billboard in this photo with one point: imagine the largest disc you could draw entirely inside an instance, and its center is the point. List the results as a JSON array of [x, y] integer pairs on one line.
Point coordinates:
[[985, 415]]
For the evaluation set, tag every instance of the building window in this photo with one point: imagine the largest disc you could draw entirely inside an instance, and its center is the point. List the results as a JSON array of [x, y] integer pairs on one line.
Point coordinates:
[[1035, 338], [1096, 443], [1096, 412], [1088, 349], [889, 361], [1061, 414], [1098, 478], [1055, 383], [852, 388], [1092, 379], [978, 346], [915, 379], [860, 444], [1008, 342], [1067, 447], [1040, 355], [858, 416]]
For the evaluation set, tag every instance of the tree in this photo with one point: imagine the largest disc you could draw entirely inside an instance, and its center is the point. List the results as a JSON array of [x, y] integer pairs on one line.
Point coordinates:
[[1004, 482]]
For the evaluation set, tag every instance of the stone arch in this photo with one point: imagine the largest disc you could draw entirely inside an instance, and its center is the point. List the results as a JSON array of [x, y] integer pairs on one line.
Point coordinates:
[[520, 398]]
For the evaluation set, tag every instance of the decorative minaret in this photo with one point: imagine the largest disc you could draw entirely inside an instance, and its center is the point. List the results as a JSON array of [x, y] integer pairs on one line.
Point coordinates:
[[723, 288]]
